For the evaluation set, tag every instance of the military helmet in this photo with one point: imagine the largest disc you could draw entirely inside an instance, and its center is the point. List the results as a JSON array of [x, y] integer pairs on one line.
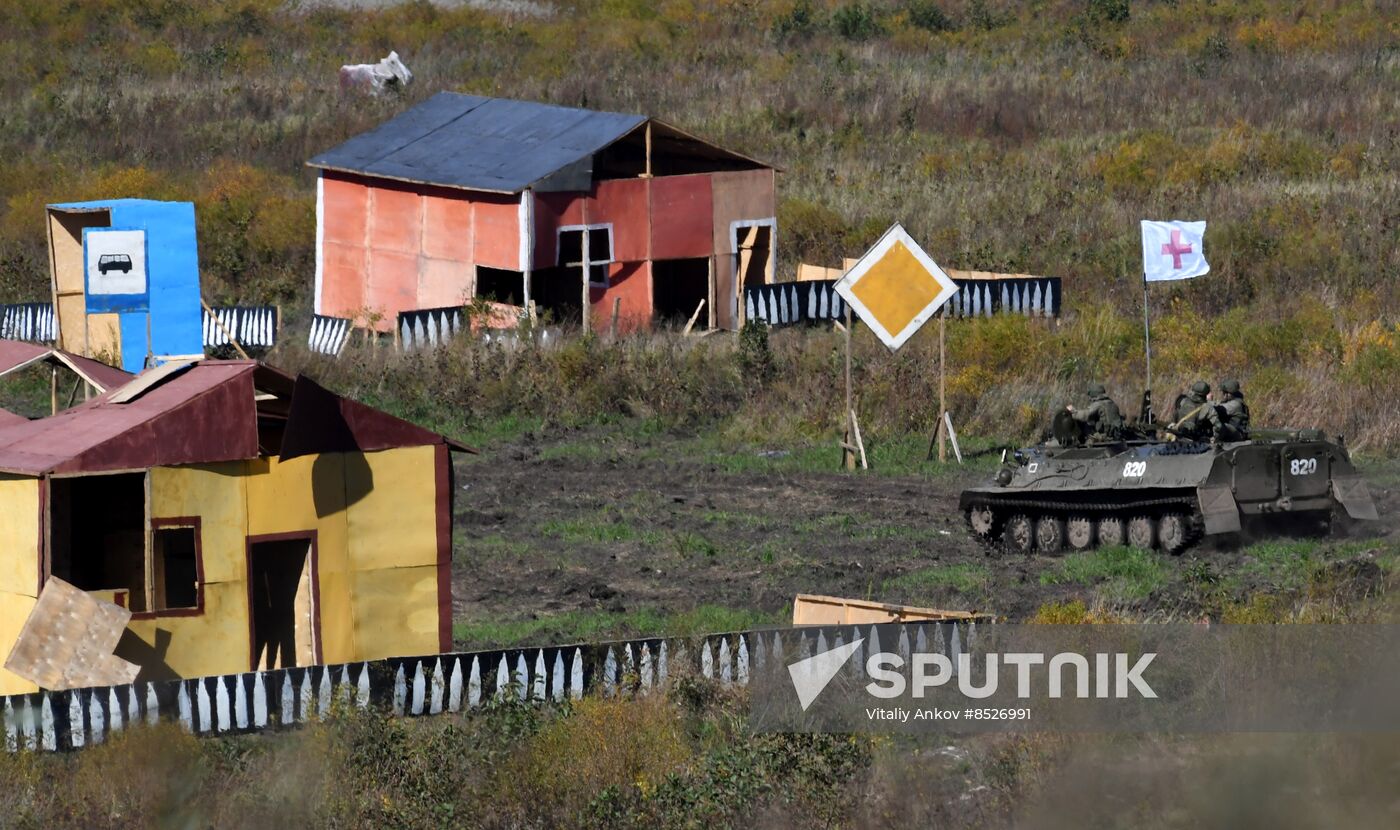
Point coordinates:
[[1230, 387], [1200, 387], [1095, 390]]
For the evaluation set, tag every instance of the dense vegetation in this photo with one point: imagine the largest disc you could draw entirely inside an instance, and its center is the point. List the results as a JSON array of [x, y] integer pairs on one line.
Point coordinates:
[[1007, 136]]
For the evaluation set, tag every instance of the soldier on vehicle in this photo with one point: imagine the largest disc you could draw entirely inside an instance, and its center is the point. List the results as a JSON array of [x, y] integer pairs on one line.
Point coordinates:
[[1233, 411], [1102, 416], [1196, 418]]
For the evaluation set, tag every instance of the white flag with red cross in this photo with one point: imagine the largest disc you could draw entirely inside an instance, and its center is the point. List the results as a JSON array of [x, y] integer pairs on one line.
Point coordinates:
[[1173, 250]]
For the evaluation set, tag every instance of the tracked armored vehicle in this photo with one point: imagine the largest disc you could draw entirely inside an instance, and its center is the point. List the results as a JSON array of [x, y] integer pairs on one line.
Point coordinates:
[[1148, 492]]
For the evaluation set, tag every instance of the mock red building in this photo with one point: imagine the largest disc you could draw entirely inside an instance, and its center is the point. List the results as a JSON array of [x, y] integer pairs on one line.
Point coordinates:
[[463, 198]]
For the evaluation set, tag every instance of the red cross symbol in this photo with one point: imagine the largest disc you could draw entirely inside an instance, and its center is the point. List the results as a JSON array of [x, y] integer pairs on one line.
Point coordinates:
[[1175, 249]]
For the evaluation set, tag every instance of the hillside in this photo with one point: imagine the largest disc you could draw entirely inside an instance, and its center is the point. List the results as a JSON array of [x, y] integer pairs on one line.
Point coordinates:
[[1007, 136]]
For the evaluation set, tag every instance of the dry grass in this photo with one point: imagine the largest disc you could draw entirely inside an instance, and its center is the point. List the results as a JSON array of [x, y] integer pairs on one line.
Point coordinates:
[[1006, 377], [1018, 138], [1007, 137]]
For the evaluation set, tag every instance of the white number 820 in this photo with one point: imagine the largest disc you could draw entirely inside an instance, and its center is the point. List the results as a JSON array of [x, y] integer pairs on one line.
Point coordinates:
[[1134, 469], [1302, 466]]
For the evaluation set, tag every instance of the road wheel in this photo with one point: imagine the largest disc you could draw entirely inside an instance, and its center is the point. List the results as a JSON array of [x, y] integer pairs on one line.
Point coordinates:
[[1019, 533], [1079, 532], [1111, 533], [1050, 534], [1174, 532], [983, 521], [1142, 532]]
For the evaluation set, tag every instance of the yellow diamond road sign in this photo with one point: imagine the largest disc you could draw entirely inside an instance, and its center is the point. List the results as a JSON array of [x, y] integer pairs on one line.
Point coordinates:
[[895, 287]]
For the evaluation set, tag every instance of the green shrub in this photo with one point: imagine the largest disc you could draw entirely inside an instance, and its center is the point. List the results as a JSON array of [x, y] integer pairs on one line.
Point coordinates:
[[1108, 11], [856, 21], [797, 23], [929, 16]]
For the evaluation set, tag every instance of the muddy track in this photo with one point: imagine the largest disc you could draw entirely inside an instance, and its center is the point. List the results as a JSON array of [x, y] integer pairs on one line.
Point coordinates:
[[540, 531]]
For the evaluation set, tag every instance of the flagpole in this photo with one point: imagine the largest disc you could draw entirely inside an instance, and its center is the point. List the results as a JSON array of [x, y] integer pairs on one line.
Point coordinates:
[[1147, 336]]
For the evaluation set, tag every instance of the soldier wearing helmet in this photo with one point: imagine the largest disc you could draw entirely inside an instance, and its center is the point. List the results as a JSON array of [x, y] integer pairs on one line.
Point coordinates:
[[1196, 418], [1234, 413], [1101, 417]]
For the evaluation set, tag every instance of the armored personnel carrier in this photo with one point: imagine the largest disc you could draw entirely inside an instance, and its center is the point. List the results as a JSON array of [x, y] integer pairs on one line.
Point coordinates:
[[1147, 491]]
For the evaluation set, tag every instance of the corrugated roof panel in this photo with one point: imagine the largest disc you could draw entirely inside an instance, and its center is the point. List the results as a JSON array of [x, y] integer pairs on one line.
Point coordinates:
[[205, 414], [101, 435], [479, 143], [366, 149]]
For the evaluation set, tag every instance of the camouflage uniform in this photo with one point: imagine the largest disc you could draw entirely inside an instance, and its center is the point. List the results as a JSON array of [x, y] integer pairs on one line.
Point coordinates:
[[1196, 418], [1102, 416], [1234, 413]]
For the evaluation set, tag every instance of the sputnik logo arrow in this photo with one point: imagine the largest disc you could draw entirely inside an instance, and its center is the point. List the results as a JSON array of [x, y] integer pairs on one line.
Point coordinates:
[[811, 676]]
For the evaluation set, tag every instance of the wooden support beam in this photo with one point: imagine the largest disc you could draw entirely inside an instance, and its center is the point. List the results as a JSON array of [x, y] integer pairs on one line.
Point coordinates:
[[587, 300], [223, 328], [647, 174], [694, 317]]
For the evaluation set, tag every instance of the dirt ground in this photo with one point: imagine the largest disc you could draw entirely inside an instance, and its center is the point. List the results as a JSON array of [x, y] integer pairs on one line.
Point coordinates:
[[578, 521]]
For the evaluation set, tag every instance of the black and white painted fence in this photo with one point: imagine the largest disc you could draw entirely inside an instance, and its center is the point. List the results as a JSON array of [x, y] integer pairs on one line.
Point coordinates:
[[429, 326], [328, 335], [433, 684], [250, 325], [787, 303], [28, 321], [1029, 296]]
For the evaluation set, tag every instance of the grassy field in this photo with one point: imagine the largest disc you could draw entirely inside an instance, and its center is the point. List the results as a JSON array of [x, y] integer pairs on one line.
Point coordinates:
[[668, 485], [1006, 136]]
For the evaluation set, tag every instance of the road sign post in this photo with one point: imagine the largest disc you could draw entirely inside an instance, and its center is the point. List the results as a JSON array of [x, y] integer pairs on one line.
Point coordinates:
[[894, 289]]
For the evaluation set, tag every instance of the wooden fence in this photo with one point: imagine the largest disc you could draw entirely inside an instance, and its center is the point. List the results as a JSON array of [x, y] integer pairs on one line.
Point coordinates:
[[788, 303], [428, 685]]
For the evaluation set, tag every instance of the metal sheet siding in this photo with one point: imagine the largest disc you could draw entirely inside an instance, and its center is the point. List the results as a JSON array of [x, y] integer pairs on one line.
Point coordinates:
[[14, 611], [738, 195], [553, 211], [19, 535], [394, 219], [630, 281], [496, 232], [343, 282], [682, 217], [623, 204], [447, 226], [346, 209]]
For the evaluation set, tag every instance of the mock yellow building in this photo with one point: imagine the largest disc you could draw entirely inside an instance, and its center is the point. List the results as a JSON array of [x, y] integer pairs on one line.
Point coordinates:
[[246, 518]]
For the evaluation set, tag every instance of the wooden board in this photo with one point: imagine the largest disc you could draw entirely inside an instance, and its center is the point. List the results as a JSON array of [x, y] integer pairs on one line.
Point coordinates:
[[68, 640], [814, 609]]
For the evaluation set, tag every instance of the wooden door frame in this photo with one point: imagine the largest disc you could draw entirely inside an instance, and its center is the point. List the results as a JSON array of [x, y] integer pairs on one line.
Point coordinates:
[[302, 535]]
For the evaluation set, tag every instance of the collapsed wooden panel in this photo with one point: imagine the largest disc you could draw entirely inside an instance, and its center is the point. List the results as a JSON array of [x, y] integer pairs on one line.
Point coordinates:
[[68, 640], [812, 609]]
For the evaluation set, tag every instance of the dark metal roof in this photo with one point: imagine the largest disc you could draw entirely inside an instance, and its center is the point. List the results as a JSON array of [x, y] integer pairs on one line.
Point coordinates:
[[467, 141]]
